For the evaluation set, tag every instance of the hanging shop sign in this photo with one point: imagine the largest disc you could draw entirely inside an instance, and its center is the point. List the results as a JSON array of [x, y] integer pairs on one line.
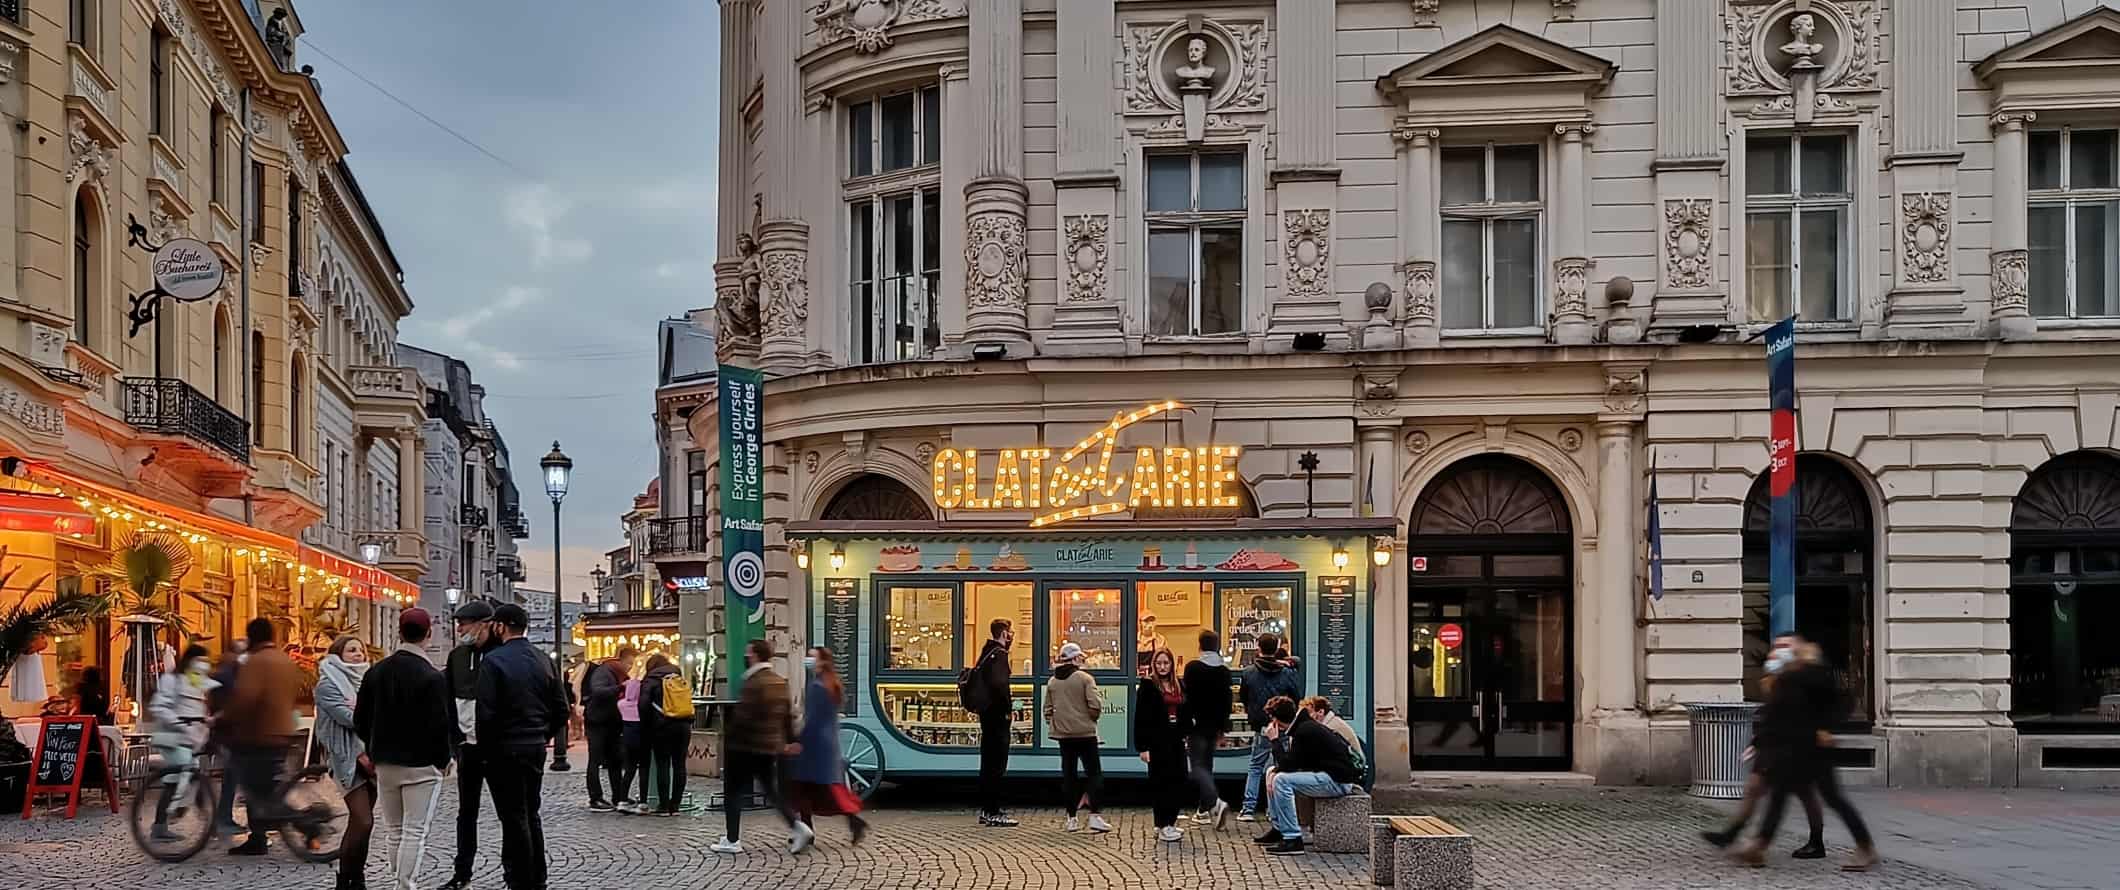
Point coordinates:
[[185, 270], [1094, 477]]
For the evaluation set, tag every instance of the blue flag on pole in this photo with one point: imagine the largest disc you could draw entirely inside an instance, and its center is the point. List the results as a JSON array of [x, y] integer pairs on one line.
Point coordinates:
[[1656, 537], [1781, 477]]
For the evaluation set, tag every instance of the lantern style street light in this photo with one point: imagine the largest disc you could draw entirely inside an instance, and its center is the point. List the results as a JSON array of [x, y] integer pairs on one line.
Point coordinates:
[[557, 468]]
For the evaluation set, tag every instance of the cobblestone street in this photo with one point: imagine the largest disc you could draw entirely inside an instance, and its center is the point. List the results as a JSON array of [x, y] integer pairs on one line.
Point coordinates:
[[1532, 838]]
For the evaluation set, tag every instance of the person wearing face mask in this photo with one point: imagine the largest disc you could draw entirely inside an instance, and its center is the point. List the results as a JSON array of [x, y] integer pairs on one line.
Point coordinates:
[[337, 691], [474, 639], [1161, 724], [178, 711], [996, 721], [817, 777], [1806, 700], [1756, 785]]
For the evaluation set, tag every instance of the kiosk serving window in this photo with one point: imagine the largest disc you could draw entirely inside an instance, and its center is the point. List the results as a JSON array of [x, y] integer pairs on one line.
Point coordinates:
[[1087, 617], [986, 601], [916, 626]]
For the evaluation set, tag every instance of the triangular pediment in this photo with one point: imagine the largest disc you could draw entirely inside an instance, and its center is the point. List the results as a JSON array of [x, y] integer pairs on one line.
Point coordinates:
[[1500, 54], [2091, 39]]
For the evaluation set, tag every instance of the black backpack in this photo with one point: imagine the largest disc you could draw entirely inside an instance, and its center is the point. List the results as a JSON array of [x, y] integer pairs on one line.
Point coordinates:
[[971, 687]]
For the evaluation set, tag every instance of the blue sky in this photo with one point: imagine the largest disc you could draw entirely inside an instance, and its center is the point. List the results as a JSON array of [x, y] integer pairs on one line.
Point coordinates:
[[546, 270]]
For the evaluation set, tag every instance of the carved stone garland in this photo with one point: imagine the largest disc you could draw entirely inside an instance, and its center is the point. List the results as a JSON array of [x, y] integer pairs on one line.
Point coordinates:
[[1307, 252], [786, 293], [1755, 55], [1925, 233], [993, 259], [1088, 238], [1420, 293], [84, 152], [1150, 90], [2008, 271], [1689, 243], [1571, 278], [869, 22]]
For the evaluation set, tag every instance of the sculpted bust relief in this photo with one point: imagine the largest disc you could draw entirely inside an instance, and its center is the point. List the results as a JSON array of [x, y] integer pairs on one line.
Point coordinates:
[[1803, 43], [1196, 74]]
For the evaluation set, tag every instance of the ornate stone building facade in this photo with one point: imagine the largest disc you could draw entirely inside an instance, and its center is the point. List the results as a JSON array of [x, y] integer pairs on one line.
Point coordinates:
[[1489, 269]]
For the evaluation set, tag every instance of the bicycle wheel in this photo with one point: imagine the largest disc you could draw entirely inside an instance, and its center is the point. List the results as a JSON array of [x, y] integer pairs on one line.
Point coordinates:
[[314, 826], [187, 821]]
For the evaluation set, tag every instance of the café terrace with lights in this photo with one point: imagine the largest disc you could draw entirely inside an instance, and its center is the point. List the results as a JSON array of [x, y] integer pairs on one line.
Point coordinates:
[[1127, 542], [60, 533]]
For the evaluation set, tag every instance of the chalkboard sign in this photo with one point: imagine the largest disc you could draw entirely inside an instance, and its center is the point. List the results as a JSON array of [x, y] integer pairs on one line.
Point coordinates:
[[62, 743], [1336, 640], [842, 634]]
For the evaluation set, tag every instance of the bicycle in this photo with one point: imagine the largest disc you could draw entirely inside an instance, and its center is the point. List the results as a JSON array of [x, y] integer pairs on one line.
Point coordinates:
[[313, 825]]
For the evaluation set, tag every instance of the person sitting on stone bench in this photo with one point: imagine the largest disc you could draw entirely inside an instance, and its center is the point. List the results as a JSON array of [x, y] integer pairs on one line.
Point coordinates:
[[1311, 760]]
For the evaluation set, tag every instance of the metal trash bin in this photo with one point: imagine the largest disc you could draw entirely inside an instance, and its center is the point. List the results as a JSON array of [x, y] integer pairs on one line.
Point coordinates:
[[1721, 731]]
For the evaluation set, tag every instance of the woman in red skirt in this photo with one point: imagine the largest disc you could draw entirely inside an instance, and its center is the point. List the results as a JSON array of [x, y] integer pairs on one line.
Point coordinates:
[[817, 778]]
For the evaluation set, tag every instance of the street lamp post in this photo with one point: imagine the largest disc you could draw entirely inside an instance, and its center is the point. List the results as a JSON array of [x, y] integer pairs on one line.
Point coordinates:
[[557, 467], [452, 595]]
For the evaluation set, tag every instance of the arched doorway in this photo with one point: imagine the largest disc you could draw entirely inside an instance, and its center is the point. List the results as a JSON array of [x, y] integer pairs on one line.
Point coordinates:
[[2064, 592], [1490, 602], [875, 497], [1834, 576]]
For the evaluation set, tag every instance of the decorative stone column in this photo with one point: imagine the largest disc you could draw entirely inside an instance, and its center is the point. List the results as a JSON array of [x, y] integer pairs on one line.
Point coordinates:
[[1572, 325], [1689, 162], [996, 201], [783, 237], [1925, 300], [736, 310], [1417, 244], [1086, 319], [410, 485], [1379, 454], [1619, 734], [2008, 299]]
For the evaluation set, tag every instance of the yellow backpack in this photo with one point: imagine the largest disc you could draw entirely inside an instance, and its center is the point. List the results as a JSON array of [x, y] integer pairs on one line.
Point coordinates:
[[676, 697]]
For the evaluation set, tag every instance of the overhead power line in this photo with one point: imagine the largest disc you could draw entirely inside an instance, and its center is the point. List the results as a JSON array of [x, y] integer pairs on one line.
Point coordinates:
[[408, 106]]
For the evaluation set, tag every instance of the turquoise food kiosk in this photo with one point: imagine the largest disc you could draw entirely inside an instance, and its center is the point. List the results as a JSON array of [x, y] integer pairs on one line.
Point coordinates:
[[904, 605]]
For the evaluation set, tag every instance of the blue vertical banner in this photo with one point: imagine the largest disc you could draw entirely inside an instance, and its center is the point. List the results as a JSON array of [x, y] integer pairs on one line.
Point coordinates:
[[743, 511], [1781, 479], [1656, 536]]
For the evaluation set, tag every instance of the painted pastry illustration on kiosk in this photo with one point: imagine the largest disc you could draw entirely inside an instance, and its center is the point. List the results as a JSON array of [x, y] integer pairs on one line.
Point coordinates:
[[1192, 559], [1152, 559], [1008, 560], [899, 558], [963, 562], [1252, 559]]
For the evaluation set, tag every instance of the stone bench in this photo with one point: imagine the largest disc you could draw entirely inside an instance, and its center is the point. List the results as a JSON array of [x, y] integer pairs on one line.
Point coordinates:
[[1338, 824], [1420, 853]]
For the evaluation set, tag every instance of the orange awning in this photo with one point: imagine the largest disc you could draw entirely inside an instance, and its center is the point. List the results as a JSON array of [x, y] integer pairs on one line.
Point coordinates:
[[75, 486], [358, 573], [51, 514]]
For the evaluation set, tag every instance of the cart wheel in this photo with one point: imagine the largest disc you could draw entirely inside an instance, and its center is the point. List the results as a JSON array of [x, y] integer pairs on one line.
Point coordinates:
[[864, 760]]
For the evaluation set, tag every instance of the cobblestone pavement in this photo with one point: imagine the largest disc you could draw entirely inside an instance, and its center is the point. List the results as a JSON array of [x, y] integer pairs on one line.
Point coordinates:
[[1530, 838]]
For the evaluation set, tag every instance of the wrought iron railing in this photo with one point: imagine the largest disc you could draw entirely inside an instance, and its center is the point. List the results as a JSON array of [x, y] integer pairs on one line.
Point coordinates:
[[684, 534], [169, 405], [473, 516], [63, 375]]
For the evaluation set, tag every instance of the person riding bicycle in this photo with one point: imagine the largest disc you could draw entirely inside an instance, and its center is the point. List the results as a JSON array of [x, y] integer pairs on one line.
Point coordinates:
[[178, 711], [258, 722]]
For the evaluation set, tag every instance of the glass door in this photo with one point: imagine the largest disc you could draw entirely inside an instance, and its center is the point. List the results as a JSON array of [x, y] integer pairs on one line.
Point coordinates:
[[1490, 669]]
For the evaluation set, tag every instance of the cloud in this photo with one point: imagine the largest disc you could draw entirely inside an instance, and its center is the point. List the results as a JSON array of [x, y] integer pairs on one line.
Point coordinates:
[[679, 270], [461, 329], [690, 193], [535, 211]]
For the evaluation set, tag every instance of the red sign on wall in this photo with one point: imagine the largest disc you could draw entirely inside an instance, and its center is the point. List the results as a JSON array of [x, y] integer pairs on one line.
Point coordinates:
[[1450, 635], [1420, 563]]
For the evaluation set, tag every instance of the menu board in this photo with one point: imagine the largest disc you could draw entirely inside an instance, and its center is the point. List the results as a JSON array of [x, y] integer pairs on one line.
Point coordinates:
[[842, 633], [61, 743], [1336, 641]]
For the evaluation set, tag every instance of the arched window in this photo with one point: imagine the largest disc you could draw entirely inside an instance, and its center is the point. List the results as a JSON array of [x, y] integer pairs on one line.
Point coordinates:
[[2065, 593], [297, 380], [257, 388], [88, 265], [876, 497], [222, 361], [1834, 575]]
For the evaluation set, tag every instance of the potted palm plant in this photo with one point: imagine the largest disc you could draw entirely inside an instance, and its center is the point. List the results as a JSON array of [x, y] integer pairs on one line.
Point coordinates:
[[25, 629]]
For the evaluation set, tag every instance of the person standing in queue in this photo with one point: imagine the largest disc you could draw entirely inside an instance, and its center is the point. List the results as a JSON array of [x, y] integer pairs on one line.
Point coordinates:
[[1161, 725], [337, 692], [1072, 708], [474, 639], [760, 731], [1208, 702], [259, 723], [405, 716], [991, 674], [817, 779], [666, 728], [603, 682], [522, 704]]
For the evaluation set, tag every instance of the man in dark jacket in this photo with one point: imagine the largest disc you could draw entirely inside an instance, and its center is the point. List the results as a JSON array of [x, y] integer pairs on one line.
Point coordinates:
[[474, 638], [993, 672], [1790, 743], [258, 722], [521, 700], [1208, 705], [602, 683], [217, 701], [761, 731], [1310, 760], [404, 718], [1272, 674]]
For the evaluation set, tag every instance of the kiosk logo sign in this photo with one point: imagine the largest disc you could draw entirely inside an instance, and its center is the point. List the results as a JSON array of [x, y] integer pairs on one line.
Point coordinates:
[[1094, 477]]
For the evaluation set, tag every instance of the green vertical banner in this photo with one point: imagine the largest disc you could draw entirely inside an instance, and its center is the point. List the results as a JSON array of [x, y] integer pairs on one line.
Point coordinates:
[[743, 519]]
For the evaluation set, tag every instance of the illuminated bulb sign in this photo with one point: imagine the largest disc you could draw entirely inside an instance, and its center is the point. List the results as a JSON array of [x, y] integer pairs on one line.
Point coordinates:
[[1095, 477]]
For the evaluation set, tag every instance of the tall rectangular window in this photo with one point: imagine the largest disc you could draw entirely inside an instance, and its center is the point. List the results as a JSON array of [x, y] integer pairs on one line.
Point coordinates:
[[294, 237], [257, 202], [2074, 222], [695, 483], [1195, 215], [217, 159], [1797, 226], [158, 83], [894, 224], [1491, 209], [81, 23]]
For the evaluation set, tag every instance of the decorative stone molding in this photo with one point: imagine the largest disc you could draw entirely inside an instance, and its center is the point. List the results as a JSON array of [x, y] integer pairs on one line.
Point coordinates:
[[810, 461], [1564, 10], [178, 21], [1689, 243], [869, 22], [162, 221], [924, 452], [2008, 272], [84, 152], [1416, 442], [1925, 233], [1407, 133], [1421, 293], [1380, 385], [258, 254], [1424, 12], [34, 414], [47, 344], [1088, 248], [1571, 280], [9, 50], [88, 86], [1625, 390], [2006, 119], [1570, 440], [1766, 40], [993, 260], [1236, 61], [785, 288], [1785, 107], [1307, 253]]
